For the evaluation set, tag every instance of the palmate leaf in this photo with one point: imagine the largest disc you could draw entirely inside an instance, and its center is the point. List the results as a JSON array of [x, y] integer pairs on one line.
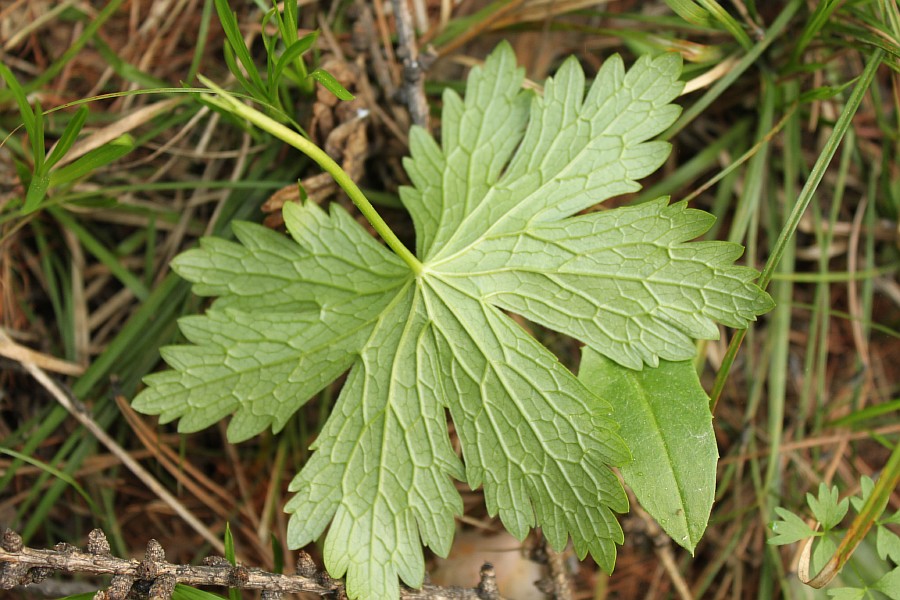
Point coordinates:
[[493, 207]]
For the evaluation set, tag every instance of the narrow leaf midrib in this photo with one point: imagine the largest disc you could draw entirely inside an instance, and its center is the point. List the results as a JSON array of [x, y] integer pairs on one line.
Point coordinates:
[[644, 396]]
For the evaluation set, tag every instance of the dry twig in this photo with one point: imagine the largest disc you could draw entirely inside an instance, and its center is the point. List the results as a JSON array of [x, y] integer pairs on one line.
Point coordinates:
[[559, 584], [413, 65], [153, 577]]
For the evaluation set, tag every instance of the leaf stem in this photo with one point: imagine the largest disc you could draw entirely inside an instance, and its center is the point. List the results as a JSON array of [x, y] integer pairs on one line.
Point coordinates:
[[230, 103]]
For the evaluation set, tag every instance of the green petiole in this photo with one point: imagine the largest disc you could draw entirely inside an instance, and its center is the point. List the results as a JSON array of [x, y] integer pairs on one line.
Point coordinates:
[[228, 102]]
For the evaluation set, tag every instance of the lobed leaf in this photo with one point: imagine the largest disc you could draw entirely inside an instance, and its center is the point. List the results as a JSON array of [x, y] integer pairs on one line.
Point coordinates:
[[492, 206], [790, 528], [623, 281], [827, 509]]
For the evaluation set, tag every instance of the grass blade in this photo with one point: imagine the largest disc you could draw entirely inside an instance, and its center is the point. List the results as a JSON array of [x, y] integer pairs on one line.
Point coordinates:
[[96, 248], [93, 160], [69, 135], [806, 194]]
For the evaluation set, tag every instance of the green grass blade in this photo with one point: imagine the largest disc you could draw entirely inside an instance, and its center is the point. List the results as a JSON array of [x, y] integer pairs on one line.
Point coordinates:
[[293, 53], [202, 38], [68, 137], [37, 191], [55, 473], [331, 84], [806, 194], [291, 20], [751, 58], [819, 18], [866, 414], [228, 18], [728, 22], [233, 593], [18, 93], [38, 149], [93, 160], [95, 247], [690, 11]]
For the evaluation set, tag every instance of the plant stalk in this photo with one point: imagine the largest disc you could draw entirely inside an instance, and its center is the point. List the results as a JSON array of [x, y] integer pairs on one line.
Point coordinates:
[[229, 102]]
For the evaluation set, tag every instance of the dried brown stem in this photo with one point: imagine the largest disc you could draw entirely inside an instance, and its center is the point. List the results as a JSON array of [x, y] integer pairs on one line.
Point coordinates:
[[413, 65], [153, 577], [561, 587]]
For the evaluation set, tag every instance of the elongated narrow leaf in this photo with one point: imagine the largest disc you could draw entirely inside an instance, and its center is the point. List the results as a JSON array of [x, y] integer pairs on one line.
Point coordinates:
[[68, 137], [93, 160], [664, 418], [331, 84], [493, 208], [292, 53], [21, 99], [228, 19], [37, 191]]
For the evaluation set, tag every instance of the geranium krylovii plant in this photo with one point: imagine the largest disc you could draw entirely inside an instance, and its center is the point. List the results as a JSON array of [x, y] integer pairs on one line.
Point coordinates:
[[495, 208]]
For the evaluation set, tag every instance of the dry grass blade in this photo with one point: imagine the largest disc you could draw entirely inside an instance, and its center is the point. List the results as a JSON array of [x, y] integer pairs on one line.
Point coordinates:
[[122, 126], [212, 495], [19, 353]]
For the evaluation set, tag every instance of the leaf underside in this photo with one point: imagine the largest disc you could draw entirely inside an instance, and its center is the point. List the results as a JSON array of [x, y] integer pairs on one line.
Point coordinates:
[[492, 207]]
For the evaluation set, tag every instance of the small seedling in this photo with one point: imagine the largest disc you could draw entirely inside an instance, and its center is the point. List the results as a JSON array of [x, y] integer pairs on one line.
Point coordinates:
[[829, 511], [47, 172]]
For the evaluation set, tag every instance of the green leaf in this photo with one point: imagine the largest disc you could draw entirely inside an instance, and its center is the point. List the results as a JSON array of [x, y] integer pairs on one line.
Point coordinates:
[[826, 508], [277, 554], [822, 552], [330, 83], [93, 160], [428, 337], [37, 191], [664, 418], [894, 519], [236, 44], [32, 119], [847, 593], [790, 528], [37, 139], [866, 486], [690, 11], [887, 543], [273, 339], [28, 116], [889, 584], [229, 545], [68, 137], [233, 593], [292, 53], [621, 281], [184, 592], [54, 472]]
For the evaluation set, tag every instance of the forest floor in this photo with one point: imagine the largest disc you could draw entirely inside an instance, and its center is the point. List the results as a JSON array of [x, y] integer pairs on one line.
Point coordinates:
[[87, 295]]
